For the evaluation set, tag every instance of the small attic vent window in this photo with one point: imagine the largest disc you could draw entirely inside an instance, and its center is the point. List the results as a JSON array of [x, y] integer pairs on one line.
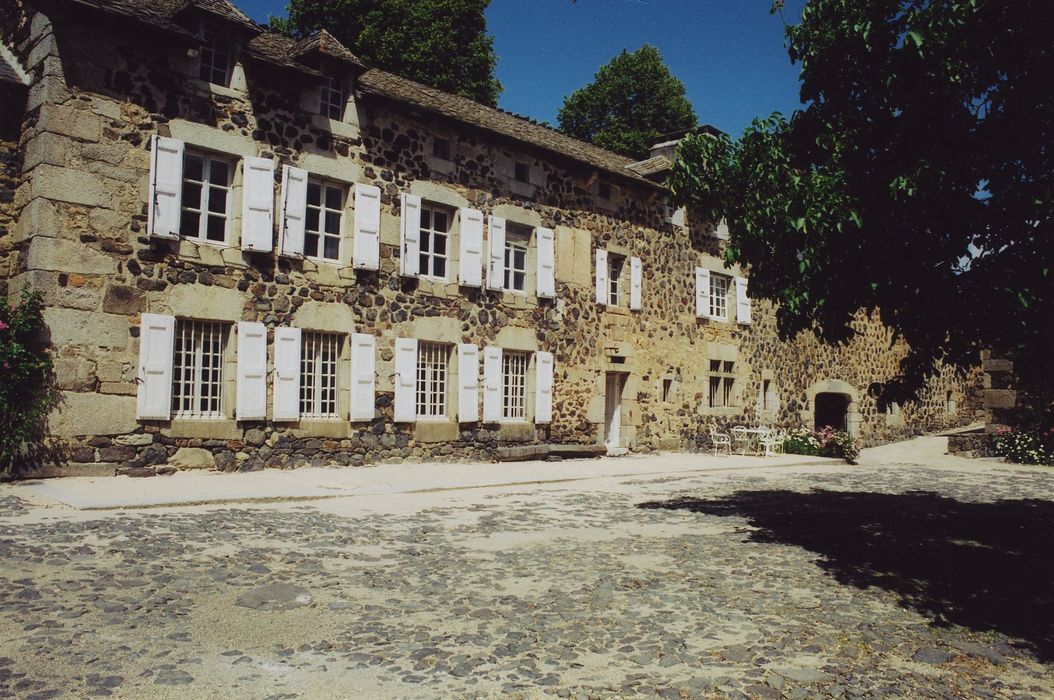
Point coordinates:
[[215, 57], [604, 190], [441, 148], [523, 172]]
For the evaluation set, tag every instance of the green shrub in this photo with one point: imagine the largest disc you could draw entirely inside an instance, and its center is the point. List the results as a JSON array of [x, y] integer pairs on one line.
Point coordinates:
[[826, 443], [801, 442], [1023, 446]]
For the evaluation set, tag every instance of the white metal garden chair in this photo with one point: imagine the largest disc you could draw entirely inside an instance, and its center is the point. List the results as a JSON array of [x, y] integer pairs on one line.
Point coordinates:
[[720, 441], [772, 442], [741, 436]]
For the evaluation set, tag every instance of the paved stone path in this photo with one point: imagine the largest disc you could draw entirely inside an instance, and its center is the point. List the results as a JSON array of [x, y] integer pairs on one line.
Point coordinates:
[[879, 581]]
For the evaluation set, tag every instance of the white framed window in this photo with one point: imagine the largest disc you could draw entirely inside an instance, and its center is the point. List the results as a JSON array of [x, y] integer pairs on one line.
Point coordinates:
[[319, 353], [433, 361], [324, 220], [516, 245], [205, 209], [514, 385], [332, 97], [722, 383], [719, 286], [197, 369], [214, 64], [768, 402], [616, 263], [435, 235]]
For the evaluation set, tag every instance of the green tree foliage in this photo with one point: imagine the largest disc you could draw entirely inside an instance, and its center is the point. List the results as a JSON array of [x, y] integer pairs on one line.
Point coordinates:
[[918, 179], [442, 43], [632, 101]]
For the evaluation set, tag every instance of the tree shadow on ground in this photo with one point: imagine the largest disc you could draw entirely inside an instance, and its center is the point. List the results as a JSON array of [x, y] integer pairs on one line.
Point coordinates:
[[985, 566]]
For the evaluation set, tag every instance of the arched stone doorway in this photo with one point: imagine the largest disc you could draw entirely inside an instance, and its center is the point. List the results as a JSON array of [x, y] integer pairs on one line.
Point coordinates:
[[833, 402], [831, 410]]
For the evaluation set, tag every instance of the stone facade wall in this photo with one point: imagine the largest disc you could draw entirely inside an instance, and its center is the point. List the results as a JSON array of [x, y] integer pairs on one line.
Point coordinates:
[[82, 207]]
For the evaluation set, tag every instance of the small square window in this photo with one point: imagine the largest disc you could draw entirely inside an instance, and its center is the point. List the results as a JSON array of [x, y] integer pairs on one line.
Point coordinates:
[[523, 172], [441, 148], [214, 59], [604, 190]]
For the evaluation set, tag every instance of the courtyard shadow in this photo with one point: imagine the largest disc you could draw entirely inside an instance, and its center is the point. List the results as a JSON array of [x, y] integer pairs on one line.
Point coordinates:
[[985, 566]]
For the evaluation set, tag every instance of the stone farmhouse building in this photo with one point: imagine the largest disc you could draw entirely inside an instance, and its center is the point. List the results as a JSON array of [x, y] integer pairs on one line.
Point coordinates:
[[257, 251]]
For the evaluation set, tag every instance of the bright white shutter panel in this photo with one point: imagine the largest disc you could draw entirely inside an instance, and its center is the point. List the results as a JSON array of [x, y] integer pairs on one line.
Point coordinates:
[[252, 371], [166, 187], [742, 301], [363, 376], [468, 383], [496, 253], [602, 276], [635, 284], [410, 235], [367, 243], [286, 374], [470, 266], [405, 380], [702, 292], [257, 204], [157, 337], [543, 393], [546, 263], [294, 211], [491, 384]]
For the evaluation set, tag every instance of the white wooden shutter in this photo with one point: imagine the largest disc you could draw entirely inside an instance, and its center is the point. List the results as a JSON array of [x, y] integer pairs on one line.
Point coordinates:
[[286, 374], [257, 204], [470, 265], [496, 253], [252, 371], [602, 276], [491, 384], [294, 212], [157, 337], [635, 284], [410, 235], [367, 244], [543, 387], [546, 262], [468, 383], [405, 380], [702, 292], [166, 187], [742, 301], [363, 376]]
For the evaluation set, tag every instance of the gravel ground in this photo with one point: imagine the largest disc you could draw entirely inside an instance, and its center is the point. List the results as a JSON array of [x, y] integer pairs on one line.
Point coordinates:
[[879, 581]]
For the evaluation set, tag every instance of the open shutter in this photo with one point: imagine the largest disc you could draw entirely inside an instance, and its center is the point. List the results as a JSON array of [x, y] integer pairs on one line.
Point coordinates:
[[602, 276], [252, 371], [546, 262], [543, 393], [742, 301], [294, 211], [702, 292], [410, 235], [405, 380], [491, 384], [468, 383], [635, 284], [366, 247], [496, 253], [470, 266], [286, 374], [157, 337], [166, 187], [363, 376], [257, 204]]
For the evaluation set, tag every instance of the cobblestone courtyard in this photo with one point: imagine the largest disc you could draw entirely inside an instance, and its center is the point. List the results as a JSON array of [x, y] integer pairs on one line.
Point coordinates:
[[891, 579]]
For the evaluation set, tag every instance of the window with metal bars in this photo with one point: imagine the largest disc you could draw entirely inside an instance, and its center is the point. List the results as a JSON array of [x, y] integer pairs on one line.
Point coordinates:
[[332, 97], [197, 372], [435, 230], [319, 353], [719, 285], [616, 263], [722, 381], [514, 385], [325, 212], [205, 210], [432, 363], [215, 58]]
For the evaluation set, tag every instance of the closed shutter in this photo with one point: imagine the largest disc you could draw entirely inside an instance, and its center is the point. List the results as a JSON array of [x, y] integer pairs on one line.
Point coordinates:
[[286, 374], [543, 383], [468, 383], [157, 337], [257, 204], [546, 263], [166, 187], [602, 276], [492, 384], [294, 211], [470, 266], [742, 301], [635, 284], [410, 235], [363, 376], [405, 380], [496, 253], [252, 371], [702, 292], [367, 244]]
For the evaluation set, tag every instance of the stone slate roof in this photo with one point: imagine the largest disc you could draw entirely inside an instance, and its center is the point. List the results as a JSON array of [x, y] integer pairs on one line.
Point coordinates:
[[326, 44], [651, 166], [11, 72], [278, 50]]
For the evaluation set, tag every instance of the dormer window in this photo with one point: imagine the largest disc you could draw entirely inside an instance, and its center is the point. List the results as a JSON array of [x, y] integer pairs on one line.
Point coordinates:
[[522, 172], [215, 57], [332, 96], [604, 190]]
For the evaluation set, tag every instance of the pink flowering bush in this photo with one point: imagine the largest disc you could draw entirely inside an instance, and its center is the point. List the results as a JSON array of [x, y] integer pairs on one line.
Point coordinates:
[[1024, 446], [826, 442]]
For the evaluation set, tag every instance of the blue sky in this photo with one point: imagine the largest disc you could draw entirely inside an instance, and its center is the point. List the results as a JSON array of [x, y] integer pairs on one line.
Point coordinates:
[[730, 54]]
